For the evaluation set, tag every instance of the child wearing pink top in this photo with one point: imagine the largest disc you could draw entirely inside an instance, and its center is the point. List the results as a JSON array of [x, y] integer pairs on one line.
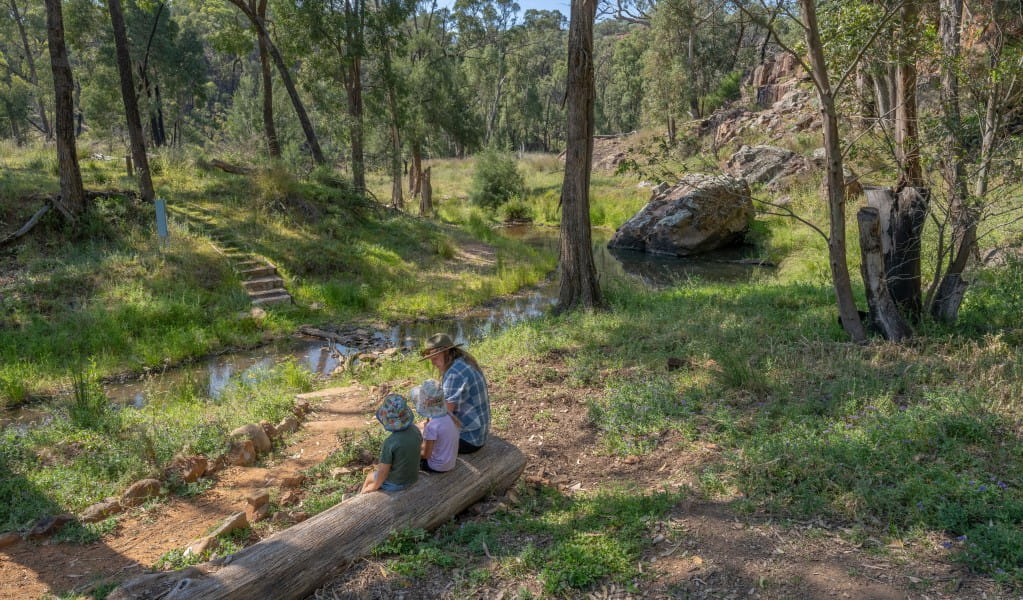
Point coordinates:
[[440, 434]]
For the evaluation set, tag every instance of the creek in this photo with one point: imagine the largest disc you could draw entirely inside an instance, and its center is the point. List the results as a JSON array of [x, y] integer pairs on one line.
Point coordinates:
[[216, 373]]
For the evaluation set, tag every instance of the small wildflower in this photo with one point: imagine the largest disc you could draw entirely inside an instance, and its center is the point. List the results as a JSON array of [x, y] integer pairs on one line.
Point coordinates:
[[920, 505], [982, 488], [1002, 485], [961, 538], [946, 544]]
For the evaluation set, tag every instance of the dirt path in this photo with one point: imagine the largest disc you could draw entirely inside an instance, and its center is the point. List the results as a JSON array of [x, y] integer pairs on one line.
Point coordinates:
[[30, 570]]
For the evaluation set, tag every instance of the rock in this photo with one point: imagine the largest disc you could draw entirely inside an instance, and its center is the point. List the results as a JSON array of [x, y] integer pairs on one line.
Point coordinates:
[[853, 187], [299, 515], [242, 454], [255, 514], [258, 498], [140, 491], [9, 539], [292, 481], [288, 425], [269, 429], [339, 471], [201, 545], [101, 510], [48, 526], [676, 364], [255, 433], [257, 313], [764, 164], [819, 157], [659, 189], [291, 498], [389, 352], [192, 468], [302, 408], [233, 523], [699, 214]]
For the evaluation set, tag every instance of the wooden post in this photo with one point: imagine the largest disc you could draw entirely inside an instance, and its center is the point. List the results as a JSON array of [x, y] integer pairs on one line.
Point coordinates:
[[293, 563], [883, 311]]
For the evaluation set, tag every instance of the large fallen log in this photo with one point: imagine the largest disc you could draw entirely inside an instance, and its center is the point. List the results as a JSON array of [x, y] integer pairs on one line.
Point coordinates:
[[295, 562]]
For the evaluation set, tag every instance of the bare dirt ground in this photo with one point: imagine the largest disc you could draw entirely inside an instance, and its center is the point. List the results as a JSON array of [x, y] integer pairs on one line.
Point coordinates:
[[707, 549], [33, 570]]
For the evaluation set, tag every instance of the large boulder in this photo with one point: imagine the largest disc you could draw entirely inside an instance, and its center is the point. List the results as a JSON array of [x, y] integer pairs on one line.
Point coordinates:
[[700, 213], [765, 164]]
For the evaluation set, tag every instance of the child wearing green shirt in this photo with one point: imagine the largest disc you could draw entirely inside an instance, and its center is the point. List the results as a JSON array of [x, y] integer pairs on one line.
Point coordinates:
[[398, 465]]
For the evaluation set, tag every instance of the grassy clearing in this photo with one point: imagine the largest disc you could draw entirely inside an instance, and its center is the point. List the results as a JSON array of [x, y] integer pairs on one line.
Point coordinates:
[[91, 450]]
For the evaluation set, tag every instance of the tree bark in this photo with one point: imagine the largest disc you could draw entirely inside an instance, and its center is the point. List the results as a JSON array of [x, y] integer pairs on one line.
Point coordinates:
[[289, 84], [44, 122], [884, 97], [579, 285], [131, 106], [293, 563], [834, 176], [72, 194], [415, 172], [883, 312], [425, 194], [964, 219], [907, 137], [272, 143]]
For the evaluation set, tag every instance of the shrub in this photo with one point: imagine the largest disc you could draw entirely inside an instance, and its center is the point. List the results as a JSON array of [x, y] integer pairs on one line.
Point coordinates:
[[517, 210], [495, 180]]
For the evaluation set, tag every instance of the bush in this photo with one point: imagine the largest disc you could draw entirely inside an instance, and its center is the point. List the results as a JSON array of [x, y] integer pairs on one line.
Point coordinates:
[[495, 180], [517, 211]]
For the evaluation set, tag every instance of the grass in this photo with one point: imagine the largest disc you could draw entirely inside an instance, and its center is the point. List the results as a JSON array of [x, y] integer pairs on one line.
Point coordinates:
[[566, 542], [90, 450]]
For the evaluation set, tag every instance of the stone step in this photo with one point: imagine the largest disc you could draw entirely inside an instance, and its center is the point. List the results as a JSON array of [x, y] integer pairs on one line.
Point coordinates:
[[281, 297], [275, 291], [261, 284], [256, 272]]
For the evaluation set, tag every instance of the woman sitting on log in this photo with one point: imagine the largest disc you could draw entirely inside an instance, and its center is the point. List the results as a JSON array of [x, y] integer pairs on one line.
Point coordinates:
[[465, 390]]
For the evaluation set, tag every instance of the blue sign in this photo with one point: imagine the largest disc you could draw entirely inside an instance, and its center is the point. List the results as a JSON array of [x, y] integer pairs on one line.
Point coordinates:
[[161, 219]]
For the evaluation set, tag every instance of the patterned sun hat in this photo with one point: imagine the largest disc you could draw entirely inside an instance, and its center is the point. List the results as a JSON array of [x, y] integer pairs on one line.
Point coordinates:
[[429, 399], [394, 414]]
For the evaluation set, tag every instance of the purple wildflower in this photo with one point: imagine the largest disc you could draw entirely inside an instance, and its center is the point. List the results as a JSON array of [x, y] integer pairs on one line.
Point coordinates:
[[946, 544], [1002, 485]]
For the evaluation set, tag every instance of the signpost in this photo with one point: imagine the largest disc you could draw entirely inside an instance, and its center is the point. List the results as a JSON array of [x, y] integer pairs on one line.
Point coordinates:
[[161, 221]]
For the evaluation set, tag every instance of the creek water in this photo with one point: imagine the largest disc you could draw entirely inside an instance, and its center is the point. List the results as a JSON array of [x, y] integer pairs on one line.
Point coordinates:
[[216, 373]]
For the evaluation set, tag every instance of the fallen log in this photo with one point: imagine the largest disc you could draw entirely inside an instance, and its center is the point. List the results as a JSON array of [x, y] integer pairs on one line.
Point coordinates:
[[295, 562], [228, 167], [27, 226]]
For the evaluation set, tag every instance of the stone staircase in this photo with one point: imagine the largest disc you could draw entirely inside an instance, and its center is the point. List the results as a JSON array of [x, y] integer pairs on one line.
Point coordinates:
[[259, 276]]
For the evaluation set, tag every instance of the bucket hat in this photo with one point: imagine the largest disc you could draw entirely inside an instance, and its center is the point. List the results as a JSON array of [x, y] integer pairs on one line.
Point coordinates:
[[394, 414], [429, 399], [438, 342]]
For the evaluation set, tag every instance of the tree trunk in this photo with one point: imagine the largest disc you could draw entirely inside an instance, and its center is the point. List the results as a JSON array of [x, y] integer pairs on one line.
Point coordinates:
[[272, 143], [883, 312], [415, 173], [884, 97], [354, 11], [672, 132], [579, 285], [425, 194], [131, 107], [907, 138], [72, 194], [44, 122], [964, 219], [902, 220], [397, 198], [289, 84], [294, 562], [835, 178]]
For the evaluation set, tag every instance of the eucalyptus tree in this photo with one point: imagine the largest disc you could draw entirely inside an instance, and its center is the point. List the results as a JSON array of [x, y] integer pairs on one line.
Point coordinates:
[[131, 107], [21, 45], [532, 113], [579, 286], [620, 86], [72, 193], [259, 24]]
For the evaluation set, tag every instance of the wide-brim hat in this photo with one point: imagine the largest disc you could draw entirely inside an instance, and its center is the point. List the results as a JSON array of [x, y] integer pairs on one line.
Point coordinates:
[[394, 413], [438, 342], [428, 399]]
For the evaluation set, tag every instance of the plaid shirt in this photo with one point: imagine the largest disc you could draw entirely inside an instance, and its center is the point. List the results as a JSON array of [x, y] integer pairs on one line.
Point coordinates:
[[466, 388]]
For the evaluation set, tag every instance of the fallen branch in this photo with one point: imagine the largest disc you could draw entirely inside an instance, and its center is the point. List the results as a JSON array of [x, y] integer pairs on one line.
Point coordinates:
[[227, 167], [29, 225]]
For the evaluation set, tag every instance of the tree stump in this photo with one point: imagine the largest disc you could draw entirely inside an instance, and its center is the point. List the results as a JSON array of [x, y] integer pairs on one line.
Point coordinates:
[[883, 311], [295, 562], [902, 218], [425, 193]]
